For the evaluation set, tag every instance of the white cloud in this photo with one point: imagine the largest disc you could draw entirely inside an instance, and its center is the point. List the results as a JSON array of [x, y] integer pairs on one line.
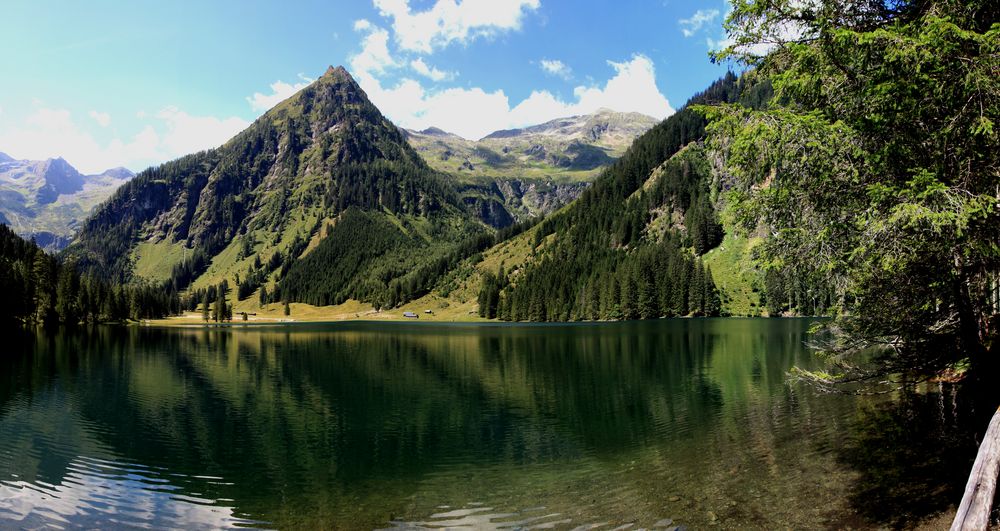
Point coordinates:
[[419, 66], [374, 56], [691, 26], [102, 118], [280, 91], [474, 112], [452, 20], [187, 134], [362, 25], [48, 133], [556, 68]]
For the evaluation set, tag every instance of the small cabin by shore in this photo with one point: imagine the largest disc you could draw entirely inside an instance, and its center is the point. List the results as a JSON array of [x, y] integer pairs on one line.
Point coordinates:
[[411, 315]]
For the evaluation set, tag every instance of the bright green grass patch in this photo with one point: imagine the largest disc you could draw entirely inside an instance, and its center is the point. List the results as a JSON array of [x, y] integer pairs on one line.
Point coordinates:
[[735, 275], [156, 261]]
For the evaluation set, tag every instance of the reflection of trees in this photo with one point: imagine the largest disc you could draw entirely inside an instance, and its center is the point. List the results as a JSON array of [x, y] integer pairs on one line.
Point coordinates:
[[310, 420], [914, 454]]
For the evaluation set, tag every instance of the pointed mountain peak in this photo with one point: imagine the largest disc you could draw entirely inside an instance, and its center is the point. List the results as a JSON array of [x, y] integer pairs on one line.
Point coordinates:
[[338, 73], [60, 165], [339, 80]]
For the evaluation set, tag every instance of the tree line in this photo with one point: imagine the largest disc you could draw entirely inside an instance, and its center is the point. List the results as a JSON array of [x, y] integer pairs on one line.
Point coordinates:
[[600, 260], [41, 289]]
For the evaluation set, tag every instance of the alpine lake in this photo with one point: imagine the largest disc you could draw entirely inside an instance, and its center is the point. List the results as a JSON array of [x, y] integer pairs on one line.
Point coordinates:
[[653, 424]]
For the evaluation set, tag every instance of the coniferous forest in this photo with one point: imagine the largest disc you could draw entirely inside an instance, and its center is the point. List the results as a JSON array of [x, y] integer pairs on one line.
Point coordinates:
[[601, 259], [41, 289]]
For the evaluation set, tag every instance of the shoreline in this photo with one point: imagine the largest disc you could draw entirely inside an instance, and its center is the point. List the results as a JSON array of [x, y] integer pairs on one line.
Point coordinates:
[[190, 321]]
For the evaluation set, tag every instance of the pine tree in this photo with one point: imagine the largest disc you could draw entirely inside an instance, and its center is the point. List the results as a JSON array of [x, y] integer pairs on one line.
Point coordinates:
[[713, 305], [218, 310], [696, 289], [66, 295], [42, 272]]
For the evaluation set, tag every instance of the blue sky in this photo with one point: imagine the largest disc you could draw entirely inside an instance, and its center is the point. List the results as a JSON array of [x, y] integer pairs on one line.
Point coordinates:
[[105, 83]]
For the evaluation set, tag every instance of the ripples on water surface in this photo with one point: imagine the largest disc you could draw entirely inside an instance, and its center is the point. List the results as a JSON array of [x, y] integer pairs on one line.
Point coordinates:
[[354, 426]]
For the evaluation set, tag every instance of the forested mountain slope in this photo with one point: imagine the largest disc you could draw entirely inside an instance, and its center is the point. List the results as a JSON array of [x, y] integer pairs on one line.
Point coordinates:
[[633, 245], [245, 212]]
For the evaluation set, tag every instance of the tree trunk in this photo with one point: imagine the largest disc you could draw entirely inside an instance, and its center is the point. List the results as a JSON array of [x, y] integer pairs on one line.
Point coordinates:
[[970, 335]]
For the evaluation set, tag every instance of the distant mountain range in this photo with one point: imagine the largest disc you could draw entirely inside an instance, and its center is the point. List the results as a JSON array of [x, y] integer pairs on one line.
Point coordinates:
[[565, 149], [507, 176], [512, 175], [49, 199]]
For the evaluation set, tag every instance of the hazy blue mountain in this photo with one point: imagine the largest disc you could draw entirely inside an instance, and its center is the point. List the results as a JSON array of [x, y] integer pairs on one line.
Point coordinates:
[[48, 199]]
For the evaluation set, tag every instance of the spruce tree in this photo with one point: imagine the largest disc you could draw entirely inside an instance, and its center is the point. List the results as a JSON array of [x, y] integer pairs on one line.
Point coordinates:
[[713, 305]]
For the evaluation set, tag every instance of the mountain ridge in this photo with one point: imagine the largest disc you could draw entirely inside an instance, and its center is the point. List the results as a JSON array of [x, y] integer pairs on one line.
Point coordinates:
[[47, 199], [524, 173], [250, 210]]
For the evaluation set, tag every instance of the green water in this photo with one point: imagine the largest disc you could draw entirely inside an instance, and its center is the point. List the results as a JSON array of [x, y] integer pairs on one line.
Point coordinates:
[[361, 426]]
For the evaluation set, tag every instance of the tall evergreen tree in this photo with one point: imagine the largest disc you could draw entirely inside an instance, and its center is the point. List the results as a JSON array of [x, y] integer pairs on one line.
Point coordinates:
[[884, 132]]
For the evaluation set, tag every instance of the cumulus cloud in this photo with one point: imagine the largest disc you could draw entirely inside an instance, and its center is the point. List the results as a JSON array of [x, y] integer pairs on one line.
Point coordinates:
[[49, 133], [374, 57], [702, 17], [474, 112], [280, 91], [419, 66], [186, 133], [556, 68], [102, 118], [452, 20]]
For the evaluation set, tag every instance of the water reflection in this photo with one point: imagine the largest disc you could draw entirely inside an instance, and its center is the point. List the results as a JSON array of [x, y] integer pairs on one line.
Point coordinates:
[[366, 425], [914, 453]]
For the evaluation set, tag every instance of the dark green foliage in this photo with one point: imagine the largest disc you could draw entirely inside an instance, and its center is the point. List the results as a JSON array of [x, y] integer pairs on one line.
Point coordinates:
[[877, 170], [703, 224], [489, 294], [401, 187], [656, 280], [222, 311], [603, 265], [38, 288], [785, 291], [330, 273]]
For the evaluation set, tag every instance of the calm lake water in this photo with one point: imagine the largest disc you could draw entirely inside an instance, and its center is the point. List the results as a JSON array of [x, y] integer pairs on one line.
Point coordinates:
[[360, 426]]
